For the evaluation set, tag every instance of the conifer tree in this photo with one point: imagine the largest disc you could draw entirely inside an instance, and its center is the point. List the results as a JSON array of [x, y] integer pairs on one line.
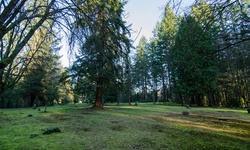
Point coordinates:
[[103, 41], [194, 65]]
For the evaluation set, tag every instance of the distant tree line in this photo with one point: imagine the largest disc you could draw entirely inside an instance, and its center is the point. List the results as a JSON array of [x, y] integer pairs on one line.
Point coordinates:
[[198, 57]]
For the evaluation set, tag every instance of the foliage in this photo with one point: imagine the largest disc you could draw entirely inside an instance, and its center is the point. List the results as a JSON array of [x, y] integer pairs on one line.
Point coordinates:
[[19, 20], [51, 130], [194, 67], [103, 43], [140, 69], [198, 58]]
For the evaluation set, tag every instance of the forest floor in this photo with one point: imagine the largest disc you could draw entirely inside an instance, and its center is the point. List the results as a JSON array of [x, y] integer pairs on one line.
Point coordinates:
[[142, 127]]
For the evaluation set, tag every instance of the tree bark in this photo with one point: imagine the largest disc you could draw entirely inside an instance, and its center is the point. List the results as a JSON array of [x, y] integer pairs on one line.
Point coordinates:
[[155, 91], [129, 91], [128, 81], [98, 99], [164, 87]]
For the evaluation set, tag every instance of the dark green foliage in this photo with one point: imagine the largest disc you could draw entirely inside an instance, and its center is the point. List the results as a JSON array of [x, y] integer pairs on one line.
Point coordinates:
[[140, 69], [33, 136], [193, 63], [103, 45], [16, 32], [202, 57], [51, 130]]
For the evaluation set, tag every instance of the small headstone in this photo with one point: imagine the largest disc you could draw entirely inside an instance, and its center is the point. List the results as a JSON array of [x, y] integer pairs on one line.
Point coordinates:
[[30, 115], [136, 103], [185, 113], [248, 110], [39, 109], [187, 106]]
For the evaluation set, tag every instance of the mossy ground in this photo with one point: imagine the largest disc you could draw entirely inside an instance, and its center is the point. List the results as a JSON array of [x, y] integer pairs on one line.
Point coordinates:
[[146, 126]]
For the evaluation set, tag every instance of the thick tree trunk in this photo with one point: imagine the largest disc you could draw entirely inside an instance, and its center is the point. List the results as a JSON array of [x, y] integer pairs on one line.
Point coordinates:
[[98, 99]]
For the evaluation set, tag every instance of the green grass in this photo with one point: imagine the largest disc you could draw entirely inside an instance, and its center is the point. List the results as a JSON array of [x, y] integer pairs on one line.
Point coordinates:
[[142, 127]]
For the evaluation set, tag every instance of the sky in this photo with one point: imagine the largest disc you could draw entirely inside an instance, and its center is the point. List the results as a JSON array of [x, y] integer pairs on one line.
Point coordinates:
[[142, 15]]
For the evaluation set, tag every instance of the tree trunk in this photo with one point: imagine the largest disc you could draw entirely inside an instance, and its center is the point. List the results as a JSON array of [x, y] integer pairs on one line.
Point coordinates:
[[170, 88], [1, 102], [164, 87], [2, 85], [129, 92], [144, 90], [129, 86], [155, 91], [98, 99]]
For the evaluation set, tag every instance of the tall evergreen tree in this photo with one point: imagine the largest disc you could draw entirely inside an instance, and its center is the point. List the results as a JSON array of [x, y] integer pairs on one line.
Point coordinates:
[[103, 42], [194, 64], [233, 52], [40, 83], [166, 35], [140, 73]]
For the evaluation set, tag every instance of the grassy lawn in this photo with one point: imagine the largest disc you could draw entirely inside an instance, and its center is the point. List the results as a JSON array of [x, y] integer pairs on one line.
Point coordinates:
[[146, 126]]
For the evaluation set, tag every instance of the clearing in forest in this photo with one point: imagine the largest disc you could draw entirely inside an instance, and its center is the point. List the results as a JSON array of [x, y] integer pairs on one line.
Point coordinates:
[[146, 126]]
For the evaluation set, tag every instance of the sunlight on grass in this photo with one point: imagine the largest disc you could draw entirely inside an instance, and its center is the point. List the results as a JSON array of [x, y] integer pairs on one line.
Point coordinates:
[[146, 126], [220, 128]]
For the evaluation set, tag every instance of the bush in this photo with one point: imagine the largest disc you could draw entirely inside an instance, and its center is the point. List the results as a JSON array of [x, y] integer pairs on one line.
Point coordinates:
[[51, 130]]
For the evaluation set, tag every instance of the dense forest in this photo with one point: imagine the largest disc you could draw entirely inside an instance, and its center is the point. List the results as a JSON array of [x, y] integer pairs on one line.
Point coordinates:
[[199, 56]]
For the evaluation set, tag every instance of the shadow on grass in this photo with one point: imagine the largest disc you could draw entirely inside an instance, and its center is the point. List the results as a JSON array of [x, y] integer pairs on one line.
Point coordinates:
[[123, 127]]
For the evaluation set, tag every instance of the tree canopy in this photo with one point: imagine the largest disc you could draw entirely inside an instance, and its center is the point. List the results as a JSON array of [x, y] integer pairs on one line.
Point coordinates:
[[197, 57]]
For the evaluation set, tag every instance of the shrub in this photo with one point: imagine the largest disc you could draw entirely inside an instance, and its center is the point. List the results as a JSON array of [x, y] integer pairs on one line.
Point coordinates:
[[51, 130]]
